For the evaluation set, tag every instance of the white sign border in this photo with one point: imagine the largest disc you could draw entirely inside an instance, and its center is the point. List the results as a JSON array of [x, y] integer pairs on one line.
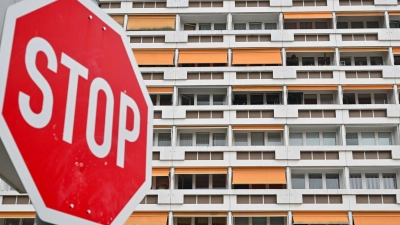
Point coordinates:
[[46, 214]]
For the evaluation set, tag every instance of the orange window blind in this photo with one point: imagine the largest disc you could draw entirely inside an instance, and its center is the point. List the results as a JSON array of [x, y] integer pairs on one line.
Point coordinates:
[[151, 22], [373, 218], [321, 218], [256, 56], [119, 19], [367, 87], [311, 87], [364, 49], [359, 14], [256, 88], [10, 215], [160, 172], [199, 214], [268, 175], [147, 218], [310, 50], [160, 89], [201, 170], [308, 15], [154, 57], [203, 56], [396, 50], [258, 214], [257, 127]]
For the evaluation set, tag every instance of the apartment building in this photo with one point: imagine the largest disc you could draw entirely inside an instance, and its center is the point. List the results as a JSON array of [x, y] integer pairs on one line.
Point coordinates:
[[267, 112]]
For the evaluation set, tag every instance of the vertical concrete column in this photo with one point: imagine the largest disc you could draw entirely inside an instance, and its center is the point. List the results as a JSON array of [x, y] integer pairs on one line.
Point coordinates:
[[340, 95], [283, 56], [230, 218], [395, 94], [281, 22], [334, 20], [343, 134], [230, 136], [229, 180], [387, 21], [172, 178], [170, 218], [336, 57], [229, 57], [350, 215], [176, 57], [286, 135], [126, 22], [288, 178], [229, 93], [175, 96], [229, 22], [346, 177], [289, 218], [178, 22], [173, 136], [390, 57], [284, 94]]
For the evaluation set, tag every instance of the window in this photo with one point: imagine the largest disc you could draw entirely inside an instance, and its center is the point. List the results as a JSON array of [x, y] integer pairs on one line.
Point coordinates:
[[326, 98], [396, 60], [220, 26], [364, 99], [372, 24], [153, 99], [255, 26], [307, 61], [355, 181], [298, 181], [189, 26], [202, 181], [394, 24], [310, 99], [219, 139], [349, 98], [385, 138], [202, 139], [345, 61], [239, 26], [329, 138], [324, 61], [256, 99], [295, 139], [205, 26], [274, 139], [380, 98], [376, 60], [367, 138], [321, 25], [259, 220], [185, 140], [305, 25], [218, 99], [357, 25], [342, 25], [312, 139], [351, 139], [203, 99], [315, 181], [332, 181], [187, 99], [165, 99], [360, 61], [273, 99], [257, 139], [389, 180], [270, 26], [241, 220], [164, 139], [241, 139], [372, 180], [290, 26]]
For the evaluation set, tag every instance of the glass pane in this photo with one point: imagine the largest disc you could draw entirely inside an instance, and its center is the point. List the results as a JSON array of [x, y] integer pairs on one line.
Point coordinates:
[[241, 220], [241, 139], [372, 24], [389, 180], [315, 181], [274, 139], [385, 138], [345, 61], [321, 25], [256, 99], [257, 139], [255, 26], [219, 139], [202, 139], [312, 139], [367, 138], [380, 99], [239, 26], [220, 26], [164, 139], [355, 181], [153, 99], [203, 99], [295, 139], [372, 180], [377, 60], [259, 220], [326, 98], [308, 61], [186, 140], [360, 61], [202, 181], [270, 26], [218, 99], [187, 99], [277, 220], [329, 138], [357, 25], [165, 99], [332, 181], [205, 26], [342, 25], [298, 181], [351, 139]]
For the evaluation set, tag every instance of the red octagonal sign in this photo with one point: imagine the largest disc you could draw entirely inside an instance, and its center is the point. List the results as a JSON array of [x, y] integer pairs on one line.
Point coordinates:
[[75, 115]]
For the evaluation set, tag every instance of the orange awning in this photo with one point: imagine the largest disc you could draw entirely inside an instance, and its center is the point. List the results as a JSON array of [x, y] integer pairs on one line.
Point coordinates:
[[359, 14], [310, 50], [396, 50], [394, 13], [11, 215], [256, 56], [160, 172], [162, 127], [201, 170], [257, 127], [312, 87], [308, 15], [160, 89], [203, 56], [151, 22], [374, 218], [154, 57], [367, 87], [257, 175], [118, 18], [200, 214], [258, 214], [321, 218], [147, 218], [257, 88], [364, 49]]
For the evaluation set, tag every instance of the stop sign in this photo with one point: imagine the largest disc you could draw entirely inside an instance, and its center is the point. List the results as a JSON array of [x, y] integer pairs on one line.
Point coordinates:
[[75, 115]]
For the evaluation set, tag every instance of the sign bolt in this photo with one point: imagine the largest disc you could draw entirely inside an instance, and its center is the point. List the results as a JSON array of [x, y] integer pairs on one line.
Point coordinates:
[[71, 206], [88, 212], [90, 17], [104, 28]]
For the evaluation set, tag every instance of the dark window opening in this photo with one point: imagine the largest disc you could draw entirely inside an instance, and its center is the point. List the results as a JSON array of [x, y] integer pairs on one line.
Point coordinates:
[[308, 61], [256, 99], [292, 61], [376, 60], [165, 99], [364, 99], [310, 99], [219, 181], [185, 181], [360, 61], [372, 24], [187, 99], [342, 25], [273, 99], [345, 61], [321, 25], [295, 98], [290, 25], [305, 25], [202, 181], [324, 61], [153, 99], [349, 98], [240, 99], [241, 186]]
